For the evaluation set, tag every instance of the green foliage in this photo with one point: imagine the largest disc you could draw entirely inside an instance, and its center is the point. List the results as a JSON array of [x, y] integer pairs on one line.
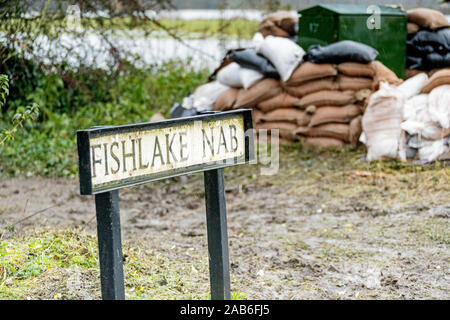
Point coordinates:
[[79, 100]]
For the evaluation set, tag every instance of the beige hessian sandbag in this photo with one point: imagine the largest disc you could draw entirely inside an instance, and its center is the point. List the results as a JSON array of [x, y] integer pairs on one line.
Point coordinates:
[[268, 28], [329, 114], [257, 115], [308, 87], [293, 115], [157, 117], [354, 83], [438, 78], [328, 98], [226, 100], [323, 142], [338, 131], [439, 105], [282, 19], [427, 18], [310, 71], [355, 69], [381, 124], [355, 130], [383, 73], [281, 100], [409, 73], [412, 28], [260, 91], [286, 129]]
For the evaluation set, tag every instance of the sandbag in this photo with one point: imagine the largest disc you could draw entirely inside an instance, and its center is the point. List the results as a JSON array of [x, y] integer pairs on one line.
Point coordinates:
[[338, 131], [260, 91], [383, 73], [284, 54], [439, 40], [435, 150], [249, 58], [342, 51], [427, 18], [268, 28], [177, 111], [310, 71], [323, 142], [308, 87], [409, 73], [226, 100], [412, 28], [256, 116], [286, 129], [412, 86], [283, 20], [355, 69], [230, 75], [436, 60], [381, 124], [417, 119], [438, 78], [328, 97], [204, 96], [281, 100], [354, 83], [293, 115], [439, 105], [249, 77], [414, 62], [354, 130], [330, 114]]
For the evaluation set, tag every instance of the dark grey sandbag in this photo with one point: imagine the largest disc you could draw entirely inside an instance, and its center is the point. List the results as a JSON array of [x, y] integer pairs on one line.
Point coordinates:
[[436, 61], [248, 58], [440, 39], [413, 62], [178, 111], [342, 51], [418, 51]]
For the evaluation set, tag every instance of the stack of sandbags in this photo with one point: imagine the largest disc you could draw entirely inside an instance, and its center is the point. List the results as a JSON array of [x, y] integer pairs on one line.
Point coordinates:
[[321, 103], [428, 43], [426, 118], [336, 81], [279, 24], [410, 120]]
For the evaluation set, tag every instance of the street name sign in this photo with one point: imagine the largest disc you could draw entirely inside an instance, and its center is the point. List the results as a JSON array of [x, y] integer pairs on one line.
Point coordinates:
[[114, 157]]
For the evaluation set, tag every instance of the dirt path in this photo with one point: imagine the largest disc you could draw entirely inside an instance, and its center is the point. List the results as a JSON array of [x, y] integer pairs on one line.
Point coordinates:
[[319, 229]]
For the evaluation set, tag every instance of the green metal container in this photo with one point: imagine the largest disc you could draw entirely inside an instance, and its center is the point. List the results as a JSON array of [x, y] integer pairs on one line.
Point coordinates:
[[381, 27]]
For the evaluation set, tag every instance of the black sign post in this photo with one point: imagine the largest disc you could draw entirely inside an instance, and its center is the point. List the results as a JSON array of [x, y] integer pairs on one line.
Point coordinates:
[[113, 157]]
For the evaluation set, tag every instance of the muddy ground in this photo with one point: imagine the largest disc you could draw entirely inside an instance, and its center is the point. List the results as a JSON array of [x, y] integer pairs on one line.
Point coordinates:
[[326, 226]]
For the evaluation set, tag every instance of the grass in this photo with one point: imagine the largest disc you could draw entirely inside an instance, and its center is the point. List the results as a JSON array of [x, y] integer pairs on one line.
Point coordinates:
[[63, 264]]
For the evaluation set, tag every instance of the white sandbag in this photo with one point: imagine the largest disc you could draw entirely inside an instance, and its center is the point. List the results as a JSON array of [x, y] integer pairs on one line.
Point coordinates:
[[284, 54], [417, 119], [257, 40], [381, 124], [249, 77], [439, 105], [435, 150], [230, 75], [413, 85], [204, 96]]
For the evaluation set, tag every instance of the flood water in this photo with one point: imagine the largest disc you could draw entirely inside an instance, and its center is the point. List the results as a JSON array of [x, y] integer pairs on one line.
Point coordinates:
[[155, 48]]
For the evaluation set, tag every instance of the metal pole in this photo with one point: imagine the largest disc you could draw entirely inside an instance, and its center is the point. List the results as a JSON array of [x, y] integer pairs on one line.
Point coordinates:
[[110, 245], [216, 222]]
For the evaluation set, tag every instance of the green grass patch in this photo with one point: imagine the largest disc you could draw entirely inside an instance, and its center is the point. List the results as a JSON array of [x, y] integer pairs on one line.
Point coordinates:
[[63, 264]]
